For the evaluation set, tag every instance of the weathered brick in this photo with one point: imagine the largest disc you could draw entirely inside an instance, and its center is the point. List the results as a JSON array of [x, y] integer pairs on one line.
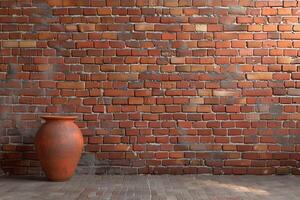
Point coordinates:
[[257, 92], [201, 27], [225, 93], [235, 27], [294, 92], [38, 68], [10, 44]]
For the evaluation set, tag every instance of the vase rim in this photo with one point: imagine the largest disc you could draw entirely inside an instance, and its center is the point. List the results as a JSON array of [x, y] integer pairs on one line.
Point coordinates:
[[58, 117]]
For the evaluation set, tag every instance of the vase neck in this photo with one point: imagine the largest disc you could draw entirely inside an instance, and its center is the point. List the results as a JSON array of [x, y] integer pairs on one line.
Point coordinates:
[[58, 118]]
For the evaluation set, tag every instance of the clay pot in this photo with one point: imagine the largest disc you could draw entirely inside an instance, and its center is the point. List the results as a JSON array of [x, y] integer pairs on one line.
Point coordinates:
[[59, 145]]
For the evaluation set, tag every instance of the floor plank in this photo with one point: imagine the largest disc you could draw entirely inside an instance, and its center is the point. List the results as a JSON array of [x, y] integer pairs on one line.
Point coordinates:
[[147, 187]]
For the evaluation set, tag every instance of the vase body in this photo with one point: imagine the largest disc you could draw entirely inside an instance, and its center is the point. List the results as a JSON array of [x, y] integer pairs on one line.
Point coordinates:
[[59, 145]]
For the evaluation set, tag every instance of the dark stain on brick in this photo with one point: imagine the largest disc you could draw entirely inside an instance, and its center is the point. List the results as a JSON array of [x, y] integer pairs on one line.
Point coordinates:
[[234, 27]]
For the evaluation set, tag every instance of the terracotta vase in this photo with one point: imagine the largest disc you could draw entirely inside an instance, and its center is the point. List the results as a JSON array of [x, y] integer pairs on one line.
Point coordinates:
[[59, 145]]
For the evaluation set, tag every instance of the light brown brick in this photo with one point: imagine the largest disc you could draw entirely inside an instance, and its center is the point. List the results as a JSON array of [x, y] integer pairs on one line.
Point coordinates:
[[294, 92], [27, 44], [259, 76], [144, 27], [225, 93], [177, 60], [201, 27]]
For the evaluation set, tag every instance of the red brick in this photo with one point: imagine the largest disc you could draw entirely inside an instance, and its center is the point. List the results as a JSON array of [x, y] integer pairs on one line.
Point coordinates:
[[70, 85], [86, 27], [112, 140], [118, 93], [123, 77], [136, 100], [238, 163]]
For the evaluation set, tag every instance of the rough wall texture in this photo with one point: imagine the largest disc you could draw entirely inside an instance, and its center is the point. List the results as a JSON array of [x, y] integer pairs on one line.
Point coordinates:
[[159, 86]]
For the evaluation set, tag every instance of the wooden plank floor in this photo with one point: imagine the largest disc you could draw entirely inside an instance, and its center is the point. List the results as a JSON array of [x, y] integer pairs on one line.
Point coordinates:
[[144, 187]]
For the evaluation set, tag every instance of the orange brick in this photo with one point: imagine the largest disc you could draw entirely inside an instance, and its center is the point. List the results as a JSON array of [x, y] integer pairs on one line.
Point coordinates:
[[55, 2], [68, 3], [285, 27], [269, 11], [270, 28]]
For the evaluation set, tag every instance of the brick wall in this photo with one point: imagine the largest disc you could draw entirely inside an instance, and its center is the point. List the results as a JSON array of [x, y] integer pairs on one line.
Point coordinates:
[[159, 86]]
